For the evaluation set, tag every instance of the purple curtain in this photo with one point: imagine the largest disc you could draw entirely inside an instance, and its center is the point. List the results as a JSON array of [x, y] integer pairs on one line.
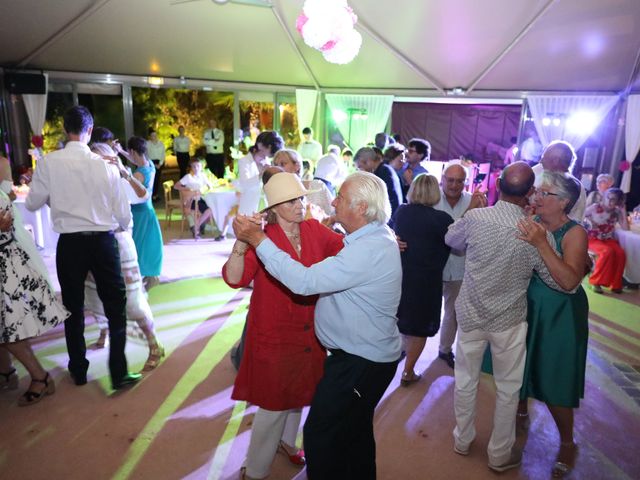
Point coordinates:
[[455, 130]]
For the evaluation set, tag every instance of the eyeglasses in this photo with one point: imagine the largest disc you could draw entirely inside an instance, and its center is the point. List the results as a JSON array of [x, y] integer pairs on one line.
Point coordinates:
[[458, 181], [545, 194]]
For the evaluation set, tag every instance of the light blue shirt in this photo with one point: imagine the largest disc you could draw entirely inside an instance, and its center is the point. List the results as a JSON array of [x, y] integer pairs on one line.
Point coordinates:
[[454, 269], [359, 291]]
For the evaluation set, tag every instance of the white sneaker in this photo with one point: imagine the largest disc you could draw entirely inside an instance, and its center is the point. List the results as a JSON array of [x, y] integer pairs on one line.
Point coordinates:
[[514, 461]]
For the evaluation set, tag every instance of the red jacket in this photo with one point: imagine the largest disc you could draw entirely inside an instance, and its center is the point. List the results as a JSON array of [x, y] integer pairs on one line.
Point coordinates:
[[283, 360]]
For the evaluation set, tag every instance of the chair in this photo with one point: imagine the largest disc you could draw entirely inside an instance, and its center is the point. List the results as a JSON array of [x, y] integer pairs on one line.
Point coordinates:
[[169, 204], [186, 198]]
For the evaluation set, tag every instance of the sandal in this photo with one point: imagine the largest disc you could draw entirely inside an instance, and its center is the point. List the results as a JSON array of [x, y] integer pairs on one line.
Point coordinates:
[[30, 397], [156, 354], [10, 380], [562, 469], [103, 340], [296, 458], [408, 378]]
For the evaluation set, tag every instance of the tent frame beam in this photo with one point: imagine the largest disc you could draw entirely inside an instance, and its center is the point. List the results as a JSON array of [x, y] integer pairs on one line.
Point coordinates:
[[275, 8], [88, 12], [402, 57], [512, 44]]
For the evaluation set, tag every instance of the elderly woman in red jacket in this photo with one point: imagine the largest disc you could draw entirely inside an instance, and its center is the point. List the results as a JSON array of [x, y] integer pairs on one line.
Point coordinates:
[[282, 361]]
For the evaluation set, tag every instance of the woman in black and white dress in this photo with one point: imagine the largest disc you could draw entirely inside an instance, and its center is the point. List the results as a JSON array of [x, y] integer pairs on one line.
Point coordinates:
[[28, 305]]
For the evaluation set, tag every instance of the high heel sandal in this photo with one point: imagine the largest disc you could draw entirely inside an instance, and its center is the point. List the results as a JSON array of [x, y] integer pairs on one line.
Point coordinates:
[[30, 397], [9, 381], [408, 378], [156, 354], [296, 458], [103, 339], [562, 469]]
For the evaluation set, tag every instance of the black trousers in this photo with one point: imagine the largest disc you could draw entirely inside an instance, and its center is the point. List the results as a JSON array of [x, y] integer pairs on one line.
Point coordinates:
[[97, 252], [183, 162], [338, 434], [157, 179], [215, 164]]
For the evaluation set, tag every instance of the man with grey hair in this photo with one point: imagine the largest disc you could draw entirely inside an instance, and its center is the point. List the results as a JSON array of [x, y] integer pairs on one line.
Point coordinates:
[[559, 156], [454, 201], [355, 319], [368, 160]]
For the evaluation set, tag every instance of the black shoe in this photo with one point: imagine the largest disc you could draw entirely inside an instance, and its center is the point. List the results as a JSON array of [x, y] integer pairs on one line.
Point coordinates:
[[79, 378], [448, 357], [126, 381], [219, 238], [202, 228]]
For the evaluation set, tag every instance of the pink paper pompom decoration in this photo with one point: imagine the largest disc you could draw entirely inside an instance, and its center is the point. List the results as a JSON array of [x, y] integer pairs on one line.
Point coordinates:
[[300, 21], [624, 166], [345, 50]]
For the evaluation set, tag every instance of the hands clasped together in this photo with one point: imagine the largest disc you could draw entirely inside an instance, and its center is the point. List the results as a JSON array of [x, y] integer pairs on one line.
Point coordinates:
[[249, 228]]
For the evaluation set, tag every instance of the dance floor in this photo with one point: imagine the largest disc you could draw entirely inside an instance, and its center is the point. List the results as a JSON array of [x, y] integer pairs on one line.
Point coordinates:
[[180, 422]]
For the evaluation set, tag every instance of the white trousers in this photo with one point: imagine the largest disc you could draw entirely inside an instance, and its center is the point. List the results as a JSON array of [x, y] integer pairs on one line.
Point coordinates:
[[269, 427], [450, 290], [508, 352]]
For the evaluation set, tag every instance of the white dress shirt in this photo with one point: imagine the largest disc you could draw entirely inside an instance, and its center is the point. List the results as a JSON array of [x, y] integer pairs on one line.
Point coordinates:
[[214, 140], [181, 144], [83, 191], [311, 150], [195, 183], [156, 151], [454, 268]]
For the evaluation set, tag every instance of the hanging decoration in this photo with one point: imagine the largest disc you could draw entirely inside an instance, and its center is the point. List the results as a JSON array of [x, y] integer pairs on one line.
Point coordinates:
[[328, 26]]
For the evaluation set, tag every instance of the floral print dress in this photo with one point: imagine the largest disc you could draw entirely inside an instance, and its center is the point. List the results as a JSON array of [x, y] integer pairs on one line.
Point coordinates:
[[28, 306]]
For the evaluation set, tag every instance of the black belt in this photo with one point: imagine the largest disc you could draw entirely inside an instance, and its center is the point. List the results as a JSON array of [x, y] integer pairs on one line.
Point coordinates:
[[89, 233], [336, 351]]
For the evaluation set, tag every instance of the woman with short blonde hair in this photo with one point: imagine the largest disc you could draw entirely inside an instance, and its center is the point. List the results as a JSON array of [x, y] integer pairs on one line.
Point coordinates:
[[423, 228]]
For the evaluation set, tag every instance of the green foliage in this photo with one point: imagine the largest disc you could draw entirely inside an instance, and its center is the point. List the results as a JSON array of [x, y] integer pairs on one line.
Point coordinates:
[[165, 109]]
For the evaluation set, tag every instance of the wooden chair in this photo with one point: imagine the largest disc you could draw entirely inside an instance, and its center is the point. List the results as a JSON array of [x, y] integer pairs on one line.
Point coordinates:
[[169, 204], [186, 198]]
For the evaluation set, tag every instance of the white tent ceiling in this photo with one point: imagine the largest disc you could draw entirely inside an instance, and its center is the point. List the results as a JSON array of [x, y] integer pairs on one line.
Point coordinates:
[[409, 46]]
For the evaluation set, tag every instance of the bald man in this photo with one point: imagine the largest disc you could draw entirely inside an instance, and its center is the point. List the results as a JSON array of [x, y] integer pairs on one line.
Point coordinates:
[[454, 201], [559, 156], [492, 309]]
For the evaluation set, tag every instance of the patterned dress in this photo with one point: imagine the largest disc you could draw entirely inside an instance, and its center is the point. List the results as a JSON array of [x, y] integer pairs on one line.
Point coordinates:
[[28, 305]]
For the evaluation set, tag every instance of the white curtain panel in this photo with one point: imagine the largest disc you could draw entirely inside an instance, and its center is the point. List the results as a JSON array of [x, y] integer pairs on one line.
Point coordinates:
[[306, 106], [541, 106], [357, 127], [36, 106], [632, 138]]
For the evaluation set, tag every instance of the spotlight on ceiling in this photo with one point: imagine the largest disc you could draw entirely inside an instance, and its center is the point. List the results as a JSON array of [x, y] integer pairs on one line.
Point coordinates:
[[546, 121], [220, 2]]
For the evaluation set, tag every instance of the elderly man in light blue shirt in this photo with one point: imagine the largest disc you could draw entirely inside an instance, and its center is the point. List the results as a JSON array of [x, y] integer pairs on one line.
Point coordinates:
[[454, 201], [355, 320]]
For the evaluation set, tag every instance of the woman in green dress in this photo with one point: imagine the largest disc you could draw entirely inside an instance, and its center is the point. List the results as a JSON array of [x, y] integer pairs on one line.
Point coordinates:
[[558, 329]]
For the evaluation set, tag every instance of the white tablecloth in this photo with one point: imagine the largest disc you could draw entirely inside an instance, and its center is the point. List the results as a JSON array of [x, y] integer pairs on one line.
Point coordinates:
[[630, 242], [221, 201], [40, 221]]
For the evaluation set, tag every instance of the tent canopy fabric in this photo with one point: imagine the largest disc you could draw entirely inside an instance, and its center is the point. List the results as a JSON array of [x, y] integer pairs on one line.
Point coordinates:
[[408, 45]]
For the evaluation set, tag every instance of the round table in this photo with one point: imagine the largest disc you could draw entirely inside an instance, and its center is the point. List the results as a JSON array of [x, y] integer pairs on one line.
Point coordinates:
[[221, 201], [630, 242], [40, 223]]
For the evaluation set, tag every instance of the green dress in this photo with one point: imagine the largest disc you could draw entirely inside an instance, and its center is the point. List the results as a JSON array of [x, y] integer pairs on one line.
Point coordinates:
[[556, 341]]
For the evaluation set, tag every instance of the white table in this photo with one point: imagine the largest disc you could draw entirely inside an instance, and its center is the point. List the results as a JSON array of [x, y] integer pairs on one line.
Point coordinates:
[[630, 242], [221, 201], [40, 222]]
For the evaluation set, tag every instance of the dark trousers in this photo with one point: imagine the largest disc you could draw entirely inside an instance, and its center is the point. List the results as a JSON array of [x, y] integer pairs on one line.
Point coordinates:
[[95, 252], [183, 162], [338, 434], [157, 180], [215, 164]]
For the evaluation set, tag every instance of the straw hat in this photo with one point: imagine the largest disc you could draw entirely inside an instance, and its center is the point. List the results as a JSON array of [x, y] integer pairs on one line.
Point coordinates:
[[283, 187]]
